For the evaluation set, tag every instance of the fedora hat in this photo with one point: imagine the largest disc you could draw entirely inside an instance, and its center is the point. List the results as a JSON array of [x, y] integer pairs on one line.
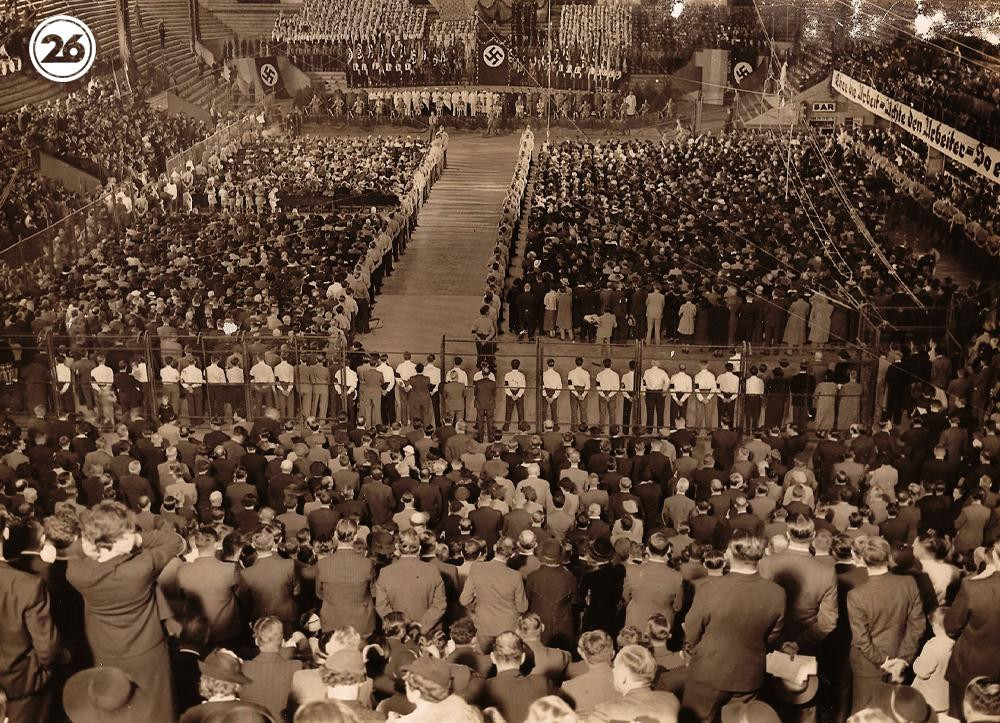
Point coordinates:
[[435, 670], [104, 695], [550, 552], [601, 550], [222, 664], [793, 692]]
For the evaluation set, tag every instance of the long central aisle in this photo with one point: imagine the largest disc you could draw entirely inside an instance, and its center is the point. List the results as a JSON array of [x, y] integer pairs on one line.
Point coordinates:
[[436, 287]]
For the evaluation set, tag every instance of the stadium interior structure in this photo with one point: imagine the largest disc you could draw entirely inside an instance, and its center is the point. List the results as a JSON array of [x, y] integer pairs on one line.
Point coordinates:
[[324, 231]]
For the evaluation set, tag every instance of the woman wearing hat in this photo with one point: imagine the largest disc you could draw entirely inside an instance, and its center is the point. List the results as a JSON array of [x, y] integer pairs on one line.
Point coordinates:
[[221, 679], [117, 579]]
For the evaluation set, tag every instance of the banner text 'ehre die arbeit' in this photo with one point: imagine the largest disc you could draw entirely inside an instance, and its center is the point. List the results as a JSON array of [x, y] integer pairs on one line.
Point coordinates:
[[981, 158]]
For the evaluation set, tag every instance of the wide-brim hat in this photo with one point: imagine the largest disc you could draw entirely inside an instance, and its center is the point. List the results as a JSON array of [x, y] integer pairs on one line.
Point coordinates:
[[105, 695], [223, 665], [790, 692], [549, 552], [601, 550]]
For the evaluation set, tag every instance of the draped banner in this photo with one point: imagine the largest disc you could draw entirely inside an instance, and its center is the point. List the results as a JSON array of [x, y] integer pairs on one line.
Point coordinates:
[[981, 158], [744, 63], [269, 77], [493, 65]]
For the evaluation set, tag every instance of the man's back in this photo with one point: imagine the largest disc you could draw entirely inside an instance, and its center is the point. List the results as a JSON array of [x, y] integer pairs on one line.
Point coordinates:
[[887, 621], [29, 643], [513, 693], [414, 588], [272, 681], [652, 587], [655, 706], [729, 637], [270, 585], [588, 690], [343, 584], [498, 594], [810, 592], [212, 583]]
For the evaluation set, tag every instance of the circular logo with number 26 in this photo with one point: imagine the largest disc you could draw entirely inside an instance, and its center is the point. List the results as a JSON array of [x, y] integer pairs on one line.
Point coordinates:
[[62, 48]]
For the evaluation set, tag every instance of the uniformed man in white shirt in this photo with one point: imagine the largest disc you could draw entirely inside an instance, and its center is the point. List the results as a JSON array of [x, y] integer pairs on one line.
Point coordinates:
[[460, 373], [345, 377], [433, 373], [170, 378], [404, 370], [64, 384], [192, 384], [681, 386], [628, 397], [552, 385], [609, 384], [284, 394], [728, 385], [514, 387], [578, 380], [215, 379], [101, 380], [389, 391], [261, 385], [655, 385], [703, 413], [236, 386], [753, 398]]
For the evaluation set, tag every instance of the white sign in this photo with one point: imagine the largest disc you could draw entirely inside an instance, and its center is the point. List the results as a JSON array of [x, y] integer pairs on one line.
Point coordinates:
[[981, 158], [826, 106], [269, 75], [494, 55], [62, 48]]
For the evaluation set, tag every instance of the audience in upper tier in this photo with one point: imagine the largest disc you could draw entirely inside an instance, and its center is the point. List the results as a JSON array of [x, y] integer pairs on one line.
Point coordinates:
[[952, 84], [95, 130]]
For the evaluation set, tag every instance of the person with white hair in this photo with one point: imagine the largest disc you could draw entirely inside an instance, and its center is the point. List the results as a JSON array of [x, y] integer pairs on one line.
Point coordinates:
[[632, 673]]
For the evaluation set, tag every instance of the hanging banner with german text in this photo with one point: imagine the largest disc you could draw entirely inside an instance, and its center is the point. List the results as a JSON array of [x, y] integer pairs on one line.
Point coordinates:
[[981, 158]]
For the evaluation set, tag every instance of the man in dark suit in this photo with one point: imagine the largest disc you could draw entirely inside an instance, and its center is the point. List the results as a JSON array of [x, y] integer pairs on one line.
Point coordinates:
[[411, 586], [486, 520], [724, 443], [379, 497], [270, 585], [975, 620], [344, 584], [270, 672], [509, 691], [134, 486], [728, 638], [497, 594], [29, 642], [209, 585], [810, 587], [652, 587], [551, 593], [323, 519], [887, 620]]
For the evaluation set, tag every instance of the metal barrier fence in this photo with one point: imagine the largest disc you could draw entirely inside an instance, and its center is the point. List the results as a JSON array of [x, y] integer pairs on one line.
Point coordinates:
[[218, 375], [552, 369], [200, 151], [61, 242]]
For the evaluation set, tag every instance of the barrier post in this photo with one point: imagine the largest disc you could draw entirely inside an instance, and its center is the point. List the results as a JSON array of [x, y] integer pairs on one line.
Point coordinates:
[[539, 386], [637, 401], [151, 371], [46, 339], [344, 396]]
